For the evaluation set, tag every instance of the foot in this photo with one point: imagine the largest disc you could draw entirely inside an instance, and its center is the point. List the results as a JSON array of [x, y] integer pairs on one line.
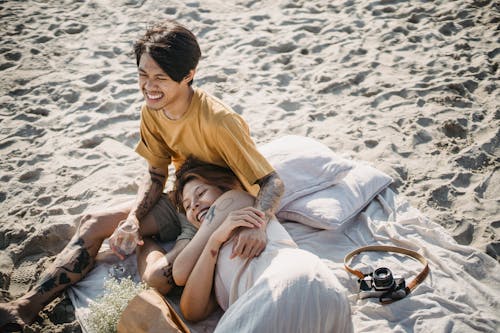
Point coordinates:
[[11, 319]]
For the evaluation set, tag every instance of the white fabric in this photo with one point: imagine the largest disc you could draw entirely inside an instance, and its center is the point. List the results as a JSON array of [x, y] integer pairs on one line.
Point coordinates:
[[268, 287], [234, 276], [461, 293], [331, 207], [304, 165]]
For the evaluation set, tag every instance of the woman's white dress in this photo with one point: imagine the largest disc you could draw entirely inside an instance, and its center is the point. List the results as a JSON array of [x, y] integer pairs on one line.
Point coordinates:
[[285, 289]]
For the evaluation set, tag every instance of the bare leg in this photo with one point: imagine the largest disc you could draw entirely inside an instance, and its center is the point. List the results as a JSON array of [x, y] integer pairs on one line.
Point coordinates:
[[75, 260], [155, 266], [78, 258]]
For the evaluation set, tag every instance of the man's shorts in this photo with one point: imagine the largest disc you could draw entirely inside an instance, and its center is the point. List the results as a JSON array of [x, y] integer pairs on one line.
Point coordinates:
[[172, 225]]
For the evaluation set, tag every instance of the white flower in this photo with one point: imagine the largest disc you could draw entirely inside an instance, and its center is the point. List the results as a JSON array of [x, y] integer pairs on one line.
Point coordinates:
[[105, 313]]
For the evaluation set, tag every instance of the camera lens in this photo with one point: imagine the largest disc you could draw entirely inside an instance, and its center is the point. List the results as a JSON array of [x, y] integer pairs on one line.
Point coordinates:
[[382, 278]]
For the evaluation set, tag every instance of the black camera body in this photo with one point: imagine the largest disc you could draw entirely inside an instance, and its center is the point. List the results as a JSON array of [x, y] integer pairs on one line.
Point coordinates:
[[381, 283]]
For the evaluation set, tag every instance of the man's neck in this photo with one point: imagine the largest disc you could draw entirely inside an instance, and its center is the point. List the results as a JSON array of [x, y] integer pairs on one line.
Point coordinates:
[[179, 109]]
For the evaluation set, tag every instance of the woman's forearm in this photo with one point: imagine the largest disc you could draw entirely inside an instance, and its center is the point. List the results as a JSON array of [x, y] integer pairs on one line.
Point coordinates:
[[198, 301], [186, 260], [218, 212]]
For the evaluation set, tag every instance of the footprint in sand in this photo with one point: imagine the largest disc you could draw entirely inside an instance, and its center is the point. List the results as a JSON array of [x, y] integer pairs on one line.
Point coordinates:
[[42, 39], [106, 107], [98, 86], [30, 176], [71, 28], [488, 188], [91, 142], [12, 59], [50, 240], [464, 233], [462, 180], [473, 159], [44, 201], [454, 129], [91, 78], [67, 94], [29, 131], [7, 65], [24, 274], [442, 196], [290, 106]]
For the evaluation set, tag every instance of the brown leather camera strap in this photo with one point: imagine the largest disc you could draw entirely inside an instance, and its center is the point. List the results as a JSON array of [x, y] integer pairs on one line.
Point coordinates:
[[386, 248]]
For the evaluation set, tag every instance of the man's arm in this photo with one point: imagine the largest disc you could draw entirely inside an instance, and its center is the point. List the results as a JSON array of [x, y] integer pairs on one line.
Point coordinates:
[[251, 242], [270, 193], [148, 195], [149, 192]]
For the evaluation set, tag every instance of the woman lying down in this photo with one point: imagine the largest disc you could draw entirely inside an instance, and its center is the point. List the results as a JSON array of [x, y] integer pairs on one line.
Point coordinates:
[[285, 289]]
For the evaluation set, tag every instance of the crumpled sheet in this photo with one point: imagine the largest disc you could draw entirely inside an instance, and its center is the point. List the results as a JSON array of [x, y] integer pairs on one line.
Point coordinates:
[[460, 294]]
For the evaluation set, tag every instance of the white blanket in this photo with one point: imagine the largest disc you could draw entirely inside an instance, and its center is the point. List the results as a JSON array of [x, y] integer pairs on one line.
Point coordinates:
[[461, 293]]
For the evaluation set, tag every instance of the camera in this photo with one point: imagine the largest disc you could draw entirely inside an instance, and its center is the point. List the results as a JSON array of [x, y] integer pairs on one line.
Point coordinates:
[[381, 283]]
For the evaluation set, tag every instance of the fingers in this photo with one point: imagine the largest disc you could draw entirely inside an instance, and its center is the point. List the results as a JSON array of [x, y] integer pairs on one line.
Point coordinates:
[[117, 252], [248, 245], [140, 241], [249, 216], [245, 253], [115, 243], [236, 248], [257, 249], [123, 244]]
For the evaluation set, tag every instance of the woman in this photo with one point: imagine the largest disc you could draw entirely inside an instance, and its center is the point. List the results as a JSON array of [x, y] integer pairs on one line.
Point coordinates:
[[285, 289]]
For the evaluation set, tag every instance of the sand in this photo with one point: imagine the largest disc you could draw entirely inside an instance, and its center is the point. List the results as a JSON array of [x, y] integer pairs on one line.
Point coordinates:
[[410, 86]]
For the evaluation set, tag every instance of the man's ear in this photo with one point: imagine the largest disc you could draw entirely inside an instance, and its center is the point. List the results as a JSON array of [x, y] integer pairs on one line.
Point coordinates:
[[189, 76]]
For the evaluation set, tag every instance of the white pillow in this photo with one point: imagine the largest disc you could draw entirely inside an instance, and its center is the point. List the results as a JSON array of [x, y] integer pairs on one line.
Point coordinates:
[[304, 165], [333, 206]]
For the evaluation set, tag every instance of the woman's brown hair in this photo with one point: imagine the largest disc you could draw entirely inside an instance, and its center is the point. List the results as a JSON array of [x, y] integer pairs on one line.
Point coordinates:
[[211, 174]]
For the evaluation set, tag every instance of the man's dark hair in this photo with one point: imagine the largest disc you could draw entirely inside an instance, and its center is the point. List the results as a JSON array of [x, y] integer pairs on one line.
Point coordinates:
[[173, 47]]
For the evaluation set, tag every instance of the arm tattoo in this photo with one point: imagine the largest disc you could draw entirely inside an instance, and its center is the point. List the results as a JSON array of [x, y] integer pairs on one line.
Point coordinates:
[[271, 190], [149, 193], [167, 273], [210, 214], [223, 205]]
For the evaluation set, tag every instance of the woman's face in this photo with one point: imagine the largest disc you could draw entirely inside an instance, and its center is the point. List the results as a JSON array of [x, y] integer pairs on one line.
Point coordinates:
[[197, 197]]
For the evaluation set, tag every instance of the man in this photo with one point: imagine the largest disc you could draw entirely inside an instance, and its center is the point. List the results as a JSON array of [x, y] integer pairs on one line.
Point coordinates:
[[177, 121]]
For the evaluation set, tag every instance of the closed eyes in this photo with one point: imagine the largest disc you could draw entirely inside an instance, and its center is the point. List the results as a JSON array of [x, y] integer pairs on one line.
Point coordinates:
[[198, 195]]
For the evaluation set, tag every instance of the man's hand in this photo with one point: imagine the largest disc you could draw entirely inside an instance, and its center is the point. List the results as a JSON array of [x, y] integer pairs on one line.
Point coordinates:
[[126, 237], [249, 243]]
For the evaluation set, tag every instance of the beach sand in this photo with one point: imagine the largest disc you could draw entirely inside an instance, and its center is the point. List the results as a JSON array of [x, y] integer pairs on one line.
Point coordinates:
[[411, 86]]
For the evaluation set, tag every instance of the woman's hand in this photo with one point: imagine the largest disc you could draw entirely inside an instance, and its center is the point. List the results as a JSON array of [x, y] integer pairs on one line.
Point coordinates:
[[248, 217]]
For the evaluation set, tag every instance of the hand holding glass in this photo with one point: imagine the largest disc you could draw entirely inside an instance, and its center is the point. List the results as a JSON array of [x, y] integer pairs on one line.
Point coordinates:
[[129, 235]]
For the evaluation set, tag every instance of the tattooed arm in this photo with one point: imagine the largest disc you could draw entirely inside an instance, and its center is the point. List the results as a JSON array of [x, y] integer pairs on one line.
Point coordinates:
[[149, 192], [269, 196], [147, 196], [250, 243]]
